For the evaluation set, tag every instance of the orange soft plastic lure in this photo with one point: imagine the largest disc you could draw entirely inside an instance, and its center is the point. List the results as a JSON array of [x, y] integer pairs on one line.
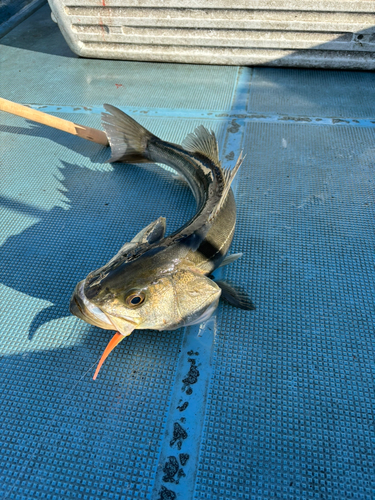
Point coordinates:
[[116, 339]]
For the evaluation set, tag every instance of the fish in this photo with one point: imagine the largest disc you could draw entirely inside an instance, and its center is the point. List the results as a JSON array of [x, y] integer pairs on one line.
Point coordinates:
[[158, 281]]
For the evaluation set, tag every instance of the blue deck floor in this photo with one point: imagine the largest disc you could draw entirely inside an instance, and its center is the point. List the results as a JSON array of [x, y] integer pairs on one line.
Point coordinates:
[[282, 404]]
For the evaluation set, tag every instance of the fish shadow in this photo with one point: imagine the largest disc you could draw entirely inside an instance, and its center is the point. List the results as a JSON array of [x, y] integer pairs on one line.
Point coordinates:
[[102, 210]]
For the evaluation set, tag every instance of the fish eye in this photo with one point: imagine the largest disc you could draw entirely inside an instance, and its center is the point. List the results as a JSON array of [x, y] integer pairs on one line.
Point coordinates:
[[135, 299]]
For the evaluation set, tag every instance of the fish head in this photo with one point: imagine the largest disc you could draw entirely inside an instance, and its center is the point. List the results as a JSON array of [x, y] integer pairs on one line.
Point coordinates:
[[163, 301], [142, 295]]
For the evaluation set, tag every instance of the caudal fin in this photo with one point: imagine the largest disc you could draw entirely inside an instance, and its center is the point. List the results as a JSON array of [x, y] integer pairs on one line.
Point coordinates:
[[128, 139]]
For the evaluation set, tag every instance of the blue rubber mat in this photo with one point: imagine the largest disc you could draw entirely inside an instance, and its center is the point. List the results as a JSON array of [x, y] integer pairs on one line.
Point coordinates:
[[272, 403]]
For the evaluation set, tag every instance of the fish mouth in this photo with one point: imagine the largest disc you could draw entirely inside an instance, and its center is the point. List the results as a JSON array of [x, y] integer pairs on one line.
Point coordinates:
[[84, 309], [79, 306]]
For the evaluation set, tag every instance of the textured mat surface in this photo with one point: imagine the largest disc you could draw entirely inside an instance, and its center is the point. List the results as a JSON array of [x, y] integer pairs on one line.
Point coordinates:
[[347, 94], [290, 409], [275, 403]]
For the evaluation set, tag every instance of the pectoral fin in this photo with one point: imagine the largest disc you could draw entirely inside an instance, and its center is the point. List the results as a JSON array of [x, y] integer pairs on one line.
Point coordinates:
[[235, 296]]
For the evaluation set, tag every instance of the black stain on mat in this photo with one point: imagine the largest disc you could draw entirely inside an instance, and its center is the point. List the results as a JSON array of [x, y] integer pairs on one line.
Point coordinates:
[[339, 120], [257, 117], [234, 128], [180, 474], [179, 434], [193, 374], [166, 494], [296, 118], [184, 457], [170, 470], [183, 407]]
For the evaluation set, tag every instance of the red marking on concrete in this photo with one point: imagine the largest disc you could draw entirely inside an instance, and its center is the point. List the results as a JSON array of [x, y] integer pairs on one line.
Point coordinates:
[[119, 85], [103, 3]]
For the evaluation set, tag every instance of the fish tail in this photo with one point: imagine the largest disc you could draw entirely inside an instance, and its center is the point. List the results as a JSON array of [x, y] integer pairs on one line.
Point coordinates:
[[128, 139]]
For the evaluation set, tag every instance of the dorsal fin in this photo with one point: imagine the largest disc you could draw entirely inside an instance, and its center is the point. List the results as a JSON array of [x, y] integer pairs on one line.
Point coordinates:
[[204, 142]]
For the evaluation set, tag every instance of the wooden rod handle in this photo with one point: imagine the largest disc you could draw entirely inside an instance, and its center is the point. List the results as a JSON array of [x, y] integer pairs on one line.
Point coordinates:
[[91, 134]]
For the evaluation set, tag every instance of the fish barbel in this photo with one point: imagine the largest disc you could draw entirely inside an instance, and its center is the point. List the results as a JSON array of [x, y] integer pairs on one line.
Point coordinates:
[[164, 282]]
